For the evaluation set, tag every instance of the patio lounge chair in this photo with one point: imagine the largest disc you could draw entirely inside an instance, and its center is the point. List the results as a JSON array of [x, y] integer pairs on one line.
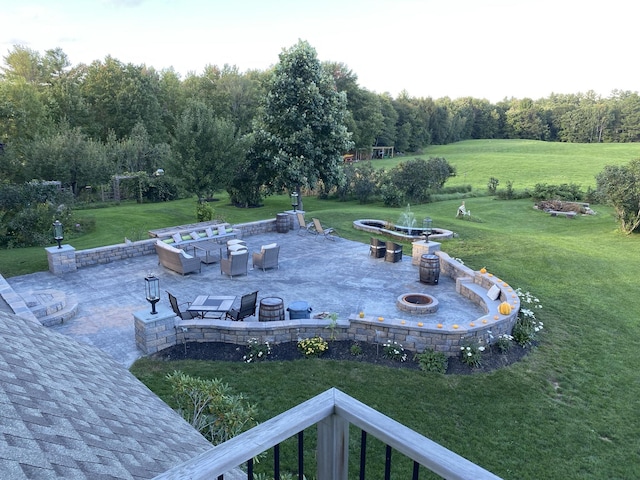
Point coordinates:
[[267, 257], [183, 314], [236, 264], [394, 252], [303, 225], [325, 232], [247, 307]]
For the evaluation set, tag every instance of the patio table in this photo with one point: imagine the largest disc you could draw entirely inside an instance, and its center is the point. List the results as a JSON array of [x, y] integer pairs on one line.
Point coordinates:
[[212, 306], [211, 249]]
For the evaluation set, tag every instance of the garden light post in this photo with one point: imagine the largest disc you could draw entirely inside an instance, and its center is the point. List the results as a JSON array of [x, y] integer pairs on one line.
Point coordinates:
[[294, 200], [57, 233], [152, 286], [427, 228]]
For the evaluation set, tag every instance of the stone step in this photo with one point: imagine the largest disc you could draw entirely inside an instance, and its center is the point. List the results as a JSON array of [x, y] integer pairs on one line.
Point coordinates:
[[49, 306], [59, 316]]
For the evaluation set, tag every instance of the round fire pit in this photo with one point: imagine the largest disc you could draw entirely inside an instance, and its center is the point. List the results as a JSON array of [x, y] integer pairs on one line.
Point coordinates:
[[417, 303]]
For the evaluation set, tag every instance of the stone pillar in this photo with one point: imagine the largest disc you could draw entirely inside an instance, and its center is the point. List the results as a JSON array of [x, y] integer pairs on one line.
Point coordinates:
[[420, 248], [61, 260], [293, 220], [155, 332]]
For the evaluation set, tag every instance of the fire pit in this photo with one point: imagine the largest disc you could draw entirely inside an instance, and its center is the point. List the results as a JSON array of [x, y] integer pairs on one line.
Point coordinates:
[[417, 303]]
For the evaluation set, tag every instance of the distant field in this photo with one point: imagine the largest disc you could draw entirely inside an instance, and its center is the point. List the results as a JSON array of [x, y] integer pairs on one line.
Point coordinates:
[[526, 162]]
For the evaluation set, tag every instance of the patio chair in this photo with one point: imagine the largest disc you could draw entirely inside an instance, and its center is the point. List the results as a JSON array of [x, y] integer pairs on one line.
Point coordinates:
[[183, 314], [247, 307], [236, 264], [303, 225], [394, 252], [325, 232], [267, 257], [377, 247]]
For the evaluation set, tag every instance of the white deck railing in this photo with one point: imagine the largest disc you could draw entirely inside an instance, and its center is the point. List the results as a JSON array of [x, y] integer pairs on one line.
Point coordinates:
[[333, 411]]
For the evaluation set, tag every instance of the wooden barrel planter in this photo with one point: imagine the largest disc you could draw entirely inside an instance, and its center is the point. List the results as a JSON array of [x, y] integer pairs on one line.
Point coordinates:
[[282, 223], [271, 309], [429, 269]]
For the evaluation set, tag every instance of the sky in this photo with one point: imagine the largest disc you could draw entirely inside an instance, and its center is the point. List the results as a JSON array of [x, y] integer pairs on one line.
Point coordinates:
[[491, 49]]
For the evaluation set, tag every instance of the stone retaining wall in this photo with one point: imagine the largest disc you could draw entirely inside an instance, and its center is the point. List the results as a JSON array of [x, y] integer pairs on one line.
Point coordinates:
[[68, 259]]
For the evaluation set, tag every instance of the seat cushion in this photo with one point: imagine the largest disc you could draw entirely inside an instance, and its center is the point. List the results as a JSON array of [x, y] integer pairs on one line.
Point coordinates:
[[176, 237]]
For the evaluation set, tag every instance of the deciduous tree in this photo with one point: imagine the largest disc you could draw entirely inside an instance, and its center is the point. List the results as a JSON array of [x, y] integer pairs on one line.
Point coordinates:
[[301, 135]]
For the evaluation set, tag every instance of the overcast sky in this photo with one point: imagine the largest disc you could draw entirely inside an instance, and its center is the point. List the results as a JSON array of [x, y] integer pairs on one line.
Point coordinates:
[[480, 48]]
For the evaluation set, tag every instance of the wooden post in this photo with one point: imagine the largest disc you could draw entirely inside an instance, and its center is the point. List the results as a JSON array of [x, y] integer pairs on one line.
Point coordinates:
[[333, 448]]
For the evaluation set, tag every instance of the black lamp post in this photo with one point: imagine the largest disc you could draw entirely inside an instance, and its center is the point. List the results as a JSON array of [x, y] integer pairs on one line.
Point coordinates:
[[57, 233], [294, 200], [152, 286]]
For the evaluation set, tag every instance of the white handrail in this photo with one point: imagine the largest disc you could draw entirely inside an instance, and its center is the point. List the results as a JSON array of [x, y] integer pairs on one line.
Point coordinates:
[[236, 451]]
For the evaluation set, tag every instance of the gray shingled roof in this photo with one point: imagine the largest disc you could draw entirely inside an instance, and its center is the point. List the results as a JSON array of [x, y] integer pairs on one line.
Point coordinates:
[[67, 410]]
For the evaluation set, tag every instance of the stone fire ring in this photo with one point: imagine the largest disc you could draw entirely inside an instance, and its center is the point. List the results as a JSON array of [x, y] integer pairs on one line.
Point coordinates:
[[417, 303]]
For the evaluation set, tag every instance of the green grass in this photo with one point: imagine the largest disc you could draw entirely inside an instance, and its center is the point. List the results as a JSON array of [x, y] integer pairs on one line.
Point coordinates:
[[525, 162], [568, 411]]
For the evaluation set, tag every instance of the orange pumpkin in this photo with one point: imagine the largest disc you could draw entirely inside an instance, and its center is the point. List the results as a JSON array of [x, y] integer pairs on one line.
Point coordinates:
[[483, 270], [504, 308]]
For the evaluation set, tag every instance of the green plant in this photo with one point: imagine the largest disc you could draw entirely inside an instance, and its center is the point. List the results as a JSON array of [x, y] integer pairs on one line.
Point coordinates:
[[333, 324], [471, 353], [211, 406], [394, 351], [356, 349], [432, 361], [527, 325], [257, 350], [313, 347], [204, 212], [504, 342]]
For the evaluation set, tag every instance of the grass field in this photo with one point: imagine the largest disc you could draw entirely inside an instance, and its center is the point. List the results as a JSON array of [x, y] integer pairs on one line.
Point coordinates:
[[526, 162], [568, 411]]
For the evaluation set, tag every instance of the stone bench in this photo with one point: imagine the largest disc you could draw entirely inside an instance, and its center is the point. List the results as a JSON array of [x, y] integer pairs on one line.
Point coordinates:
[[556, 213]]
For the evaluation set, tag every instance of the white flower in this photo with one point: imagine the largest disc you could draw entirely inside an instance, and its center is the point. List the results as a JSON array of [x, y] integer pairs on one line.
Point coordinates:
[[481, 349], [469, 354]]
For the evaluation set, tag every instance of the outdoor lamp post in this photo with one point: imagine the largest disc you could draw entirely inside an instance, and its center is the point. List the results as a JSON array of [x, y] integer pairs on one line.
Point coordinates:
[[426, 224], [57, 233], [294, 200], [152, 285]]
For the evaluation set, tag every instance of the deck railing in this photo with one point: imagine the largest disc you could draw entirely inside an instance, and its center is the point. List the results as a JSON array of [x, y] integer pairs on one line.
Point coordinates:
[[333, 411]]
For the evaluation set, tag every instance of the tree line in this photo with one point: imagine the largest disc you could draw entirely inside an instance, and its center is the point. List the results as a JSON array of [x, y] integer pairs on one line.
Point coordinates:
[[83, 124], [251, 134]]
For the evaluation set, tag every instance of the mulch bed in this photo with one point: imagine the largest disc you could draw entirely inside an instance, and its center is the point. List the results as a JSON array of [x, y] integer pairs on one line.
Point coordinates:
[[492, 359]]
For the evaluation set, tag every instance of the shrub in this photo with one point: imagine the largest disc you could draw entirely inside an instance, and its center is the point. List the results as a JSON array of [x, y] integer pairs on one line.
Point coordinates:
[[356, 349], [527, 325], [432, 361], [211, 407], [471, 354], [313, 347], [257, 350], [503, 342], [204, 212], [394, 351]]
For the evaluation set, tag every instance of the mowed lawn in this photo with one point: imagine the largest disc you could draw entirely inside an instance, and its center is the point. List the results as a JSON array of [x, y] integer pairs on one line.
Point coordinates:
[[568, 411]]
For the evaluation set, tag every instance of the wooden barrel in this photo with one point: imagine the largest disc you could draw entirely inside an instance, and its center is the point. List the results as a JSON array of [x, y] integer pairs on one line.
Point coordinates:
[[271, 309], [429, 269], [282, 222]]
